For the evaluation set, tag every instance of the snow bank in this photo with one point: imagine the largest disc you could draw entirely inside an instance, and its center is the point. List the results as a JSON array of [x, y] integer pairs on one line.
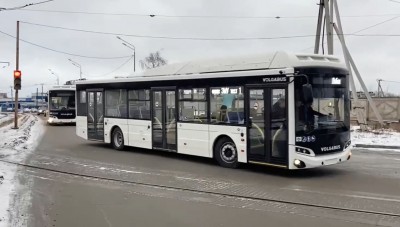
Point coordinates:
[[385, 137], [15, 145], [5, 117]]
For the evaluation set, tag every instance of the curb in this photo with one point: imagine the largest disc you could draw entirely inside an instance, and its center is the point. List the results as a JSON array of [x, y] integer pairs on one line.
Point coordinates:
[[376, 146]]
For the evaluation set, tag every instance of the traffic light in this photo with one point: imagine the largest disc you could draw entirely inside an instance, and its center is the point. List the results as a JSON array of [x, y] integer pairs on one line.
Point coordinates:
[[17, 80]]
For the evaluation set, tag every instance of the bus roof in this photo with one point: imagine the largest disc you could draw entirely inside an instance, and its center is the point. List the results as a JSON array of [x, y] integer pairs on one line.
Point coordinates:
[[208, 68], [62, 87], [276, 60]]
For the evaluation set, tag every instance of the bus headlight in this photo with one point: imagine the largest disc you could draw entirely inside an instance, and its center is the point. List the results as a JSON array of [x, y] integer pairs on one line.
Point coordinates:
[[299, 164]]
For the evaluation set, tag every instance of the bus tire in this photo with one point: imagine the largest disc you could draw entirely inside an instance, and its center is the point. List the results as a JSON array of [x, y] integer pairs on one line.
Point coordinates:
[[117, 139], [226, 154]]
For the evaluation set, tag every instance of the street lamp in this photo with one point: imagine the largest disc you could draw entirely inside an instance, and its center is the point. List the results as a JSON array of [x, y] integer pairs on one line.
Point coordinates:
[[5, 62], [53, 73], [132, 47], [77, 65]]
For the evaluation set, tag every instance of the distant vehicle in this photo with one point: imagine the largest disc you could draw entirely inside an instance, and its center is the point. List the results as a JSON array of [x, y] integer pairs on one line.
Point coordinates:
[[26, 110], [41, 111], [10, 107], [34, 110], [61, 105], [284, 110]]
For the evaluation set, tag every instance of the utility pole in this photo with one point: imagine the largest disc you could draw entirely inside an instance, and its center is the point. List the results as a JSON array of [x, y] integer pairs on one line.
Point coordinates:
[[11, 87], [330, 7], [41, 96], [37, 96], [380, 90], [16, 89]]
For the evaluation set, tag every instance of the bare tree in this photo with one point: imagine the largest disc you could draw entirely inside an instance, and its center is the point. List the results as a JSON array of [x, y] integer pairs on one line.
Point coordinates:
[[154, 60]]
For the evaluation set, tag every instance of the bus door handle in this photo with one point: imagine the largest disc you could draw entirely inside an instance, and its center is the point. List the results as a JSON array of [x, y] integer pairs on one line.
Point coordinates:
[[148, 126]]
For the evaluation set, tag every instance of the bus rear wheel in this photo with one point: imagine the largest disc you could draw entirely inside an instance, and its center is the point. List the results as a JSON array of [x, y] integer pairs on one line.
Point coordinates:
[[117, 139], [225, 152]]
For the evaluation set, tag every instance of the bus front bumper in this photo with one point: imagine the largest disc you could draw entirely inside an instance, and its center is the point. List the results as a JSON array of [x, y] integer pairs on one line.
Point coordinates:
[[300, 161], [55, 120]]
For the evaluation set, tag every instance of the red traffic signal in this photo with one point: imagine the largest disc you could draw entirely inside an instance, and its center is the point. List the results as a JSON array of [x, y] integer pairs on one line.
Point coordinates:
[[17, 74], [17, 80]]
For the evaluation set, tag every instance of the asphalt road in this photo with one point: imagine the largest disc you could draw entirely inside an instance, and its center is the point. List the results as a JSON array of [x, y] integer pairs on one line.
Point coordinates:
[[97, 186]]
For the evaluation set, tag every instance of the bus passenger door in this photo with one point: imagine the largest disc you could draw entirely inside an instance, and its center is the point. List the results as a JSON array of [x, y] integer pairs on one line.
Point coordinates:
[[163, 118], [95, 118], [267, 125]]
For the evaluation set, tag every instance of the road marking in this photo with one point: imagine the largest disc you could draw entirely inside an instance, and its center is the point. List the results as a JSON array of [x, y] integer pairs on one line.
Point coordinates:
[[347, 195], [105, 217]]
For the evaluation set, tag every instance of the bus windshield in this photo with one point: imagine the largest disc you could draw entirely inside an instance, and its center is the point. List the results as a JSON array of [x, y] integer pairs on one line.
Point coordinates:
[[330, 110], [62, 100]]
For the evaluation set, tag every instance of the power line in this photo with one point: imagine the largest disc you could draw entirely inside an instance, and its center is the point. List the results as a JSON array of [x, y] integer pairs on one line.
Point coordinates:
[[167, 37], [63, 52], [377, 24], [363, 29], [106, 74], [24, 6], [201, 38], [193, 16], [391, 81]]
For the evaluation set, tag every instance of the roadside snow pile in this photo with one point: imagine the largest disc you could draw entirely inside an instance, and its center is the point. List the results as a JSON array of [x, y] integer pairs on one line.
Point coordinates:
[[5, 117], [383, 137], [15, 145]]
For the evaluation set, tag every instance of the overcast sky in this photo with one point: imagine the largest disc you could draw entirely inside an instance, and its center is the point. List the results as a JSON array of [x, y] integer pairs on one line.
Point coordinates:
[[376, 57]]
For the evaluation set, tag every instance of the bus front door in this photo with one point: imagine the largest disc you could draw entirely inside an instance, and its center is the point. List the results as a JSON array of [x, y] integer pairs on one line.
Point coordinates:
[[267, 125], [95, 118], [163, 119]]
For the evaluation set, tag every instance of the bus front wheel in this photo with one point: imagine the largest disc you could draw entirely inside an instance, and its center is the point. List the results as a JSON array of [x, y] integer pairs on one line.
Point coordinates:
[[225, 152], [117, 139]]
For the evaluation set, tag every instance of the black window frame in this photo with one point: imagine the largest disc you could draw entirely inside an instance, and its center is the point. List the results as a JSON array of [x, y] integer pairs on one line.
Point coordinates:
[[206, 101], [147, 100], [105, 103]]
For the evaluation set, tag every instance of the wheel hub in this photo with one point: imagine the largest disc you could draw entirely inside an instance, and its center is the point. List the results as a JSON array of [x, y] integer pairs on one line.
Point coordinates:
[[228, 152]]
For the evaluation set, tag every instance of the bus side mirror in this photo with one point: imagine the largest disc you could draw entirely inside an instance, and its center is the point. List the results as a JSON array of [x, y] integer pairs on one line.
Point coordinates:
[[307, 93]]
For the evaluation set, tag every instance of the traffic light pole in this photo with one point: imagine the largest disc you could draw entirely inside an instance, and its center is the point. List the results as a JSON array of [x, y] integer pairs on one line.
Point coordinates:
[[16, 89]]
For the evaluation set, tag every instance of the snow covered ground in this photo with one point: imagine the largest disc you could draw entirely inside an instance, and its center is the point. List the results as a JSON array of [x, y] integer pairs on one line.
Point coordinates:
[[384, 137], [15, 145], [5, 117]]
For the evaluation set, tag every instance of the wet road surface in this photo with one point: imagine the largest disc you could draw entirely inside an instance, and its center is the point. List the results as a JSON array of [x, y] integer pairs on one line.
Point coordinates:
[[94, 185]]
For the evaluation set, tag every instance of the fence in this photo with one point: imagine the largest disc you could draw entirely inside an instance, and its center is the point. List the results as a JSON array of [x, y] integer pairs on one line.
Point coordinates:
[[388, 107]]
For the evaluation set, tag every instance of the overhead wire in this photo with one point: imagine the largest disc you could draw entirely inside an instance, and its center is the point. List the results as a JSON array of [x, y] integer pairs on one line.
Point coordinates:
[[113, 71], [165, 37], [203, 38], [24, 6], [63, 52], [366, 28], [192, 16]]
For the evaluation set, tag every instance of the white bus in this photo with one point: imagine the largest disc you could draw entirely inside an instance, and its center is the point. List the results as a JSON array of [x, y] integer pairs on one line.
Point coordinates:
[[61, 104], [283, 110]]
